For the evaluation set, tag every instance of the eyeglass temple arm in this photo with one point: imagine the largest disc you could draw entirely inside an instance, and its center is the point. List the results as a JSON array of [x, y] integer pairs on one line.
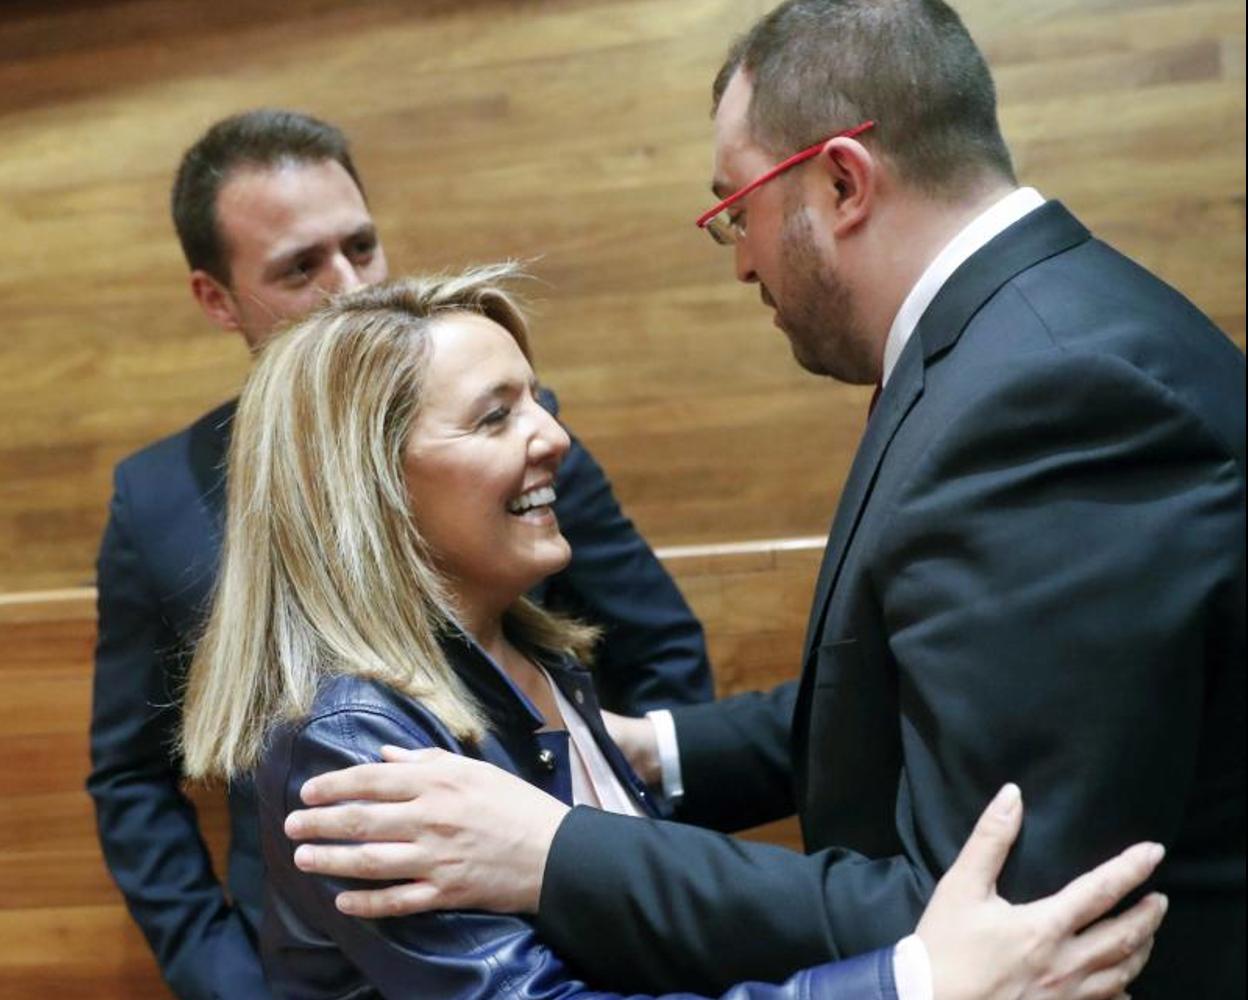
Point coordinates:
[[779, 168]]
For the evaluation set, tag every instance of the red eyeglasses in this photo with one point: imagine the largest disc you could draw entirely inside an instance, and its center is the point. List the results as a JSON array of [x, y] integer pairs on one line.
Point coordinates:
[[724, 229]]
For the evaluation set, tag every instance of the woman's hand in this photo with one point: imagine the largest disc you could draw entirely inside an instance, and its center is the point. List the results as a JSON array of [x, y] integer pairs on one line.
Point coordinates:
[[982, 948]]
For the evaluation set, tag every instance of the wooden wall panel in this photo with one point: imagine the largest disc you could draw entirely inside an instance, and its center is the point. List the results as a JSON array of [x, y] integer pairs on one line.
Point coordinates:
[[571, 130]]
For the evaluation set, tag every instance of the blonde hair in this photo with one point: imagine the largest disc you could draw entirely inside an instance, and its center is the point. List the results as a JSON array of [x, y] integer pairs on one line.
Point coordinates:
[[323, 570]]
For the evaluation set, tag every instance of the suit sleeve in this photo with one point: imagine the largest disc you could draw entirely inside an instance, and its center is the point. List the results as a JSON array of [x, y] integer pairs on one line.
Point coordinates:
[[736, 760], [653, 653], [147, 828], [1049, 579], [475, 954], [694, 909]]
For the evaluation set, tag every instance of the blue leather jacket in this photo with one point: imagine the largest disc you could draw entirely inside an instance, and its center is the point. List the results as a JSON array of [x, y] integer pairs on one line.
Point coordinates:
[[313, 952]]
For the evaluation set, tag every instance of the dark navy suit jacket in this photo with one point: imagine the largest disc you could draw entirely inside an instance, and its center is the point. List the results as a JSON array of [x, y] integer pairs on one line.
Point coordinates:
[[314, 952], [156, 570], [1036, 573]]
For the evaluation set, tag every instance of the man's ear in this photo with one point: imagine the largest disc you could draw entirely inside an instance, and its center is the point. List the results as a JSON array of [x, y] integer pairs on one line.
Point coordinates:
[[215, 300], [851, 174]]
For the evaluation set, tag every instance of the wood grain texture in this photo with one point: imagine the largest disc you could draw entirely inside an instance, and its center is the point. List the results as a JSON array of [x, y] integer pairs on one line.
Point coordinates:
[[572, 131]]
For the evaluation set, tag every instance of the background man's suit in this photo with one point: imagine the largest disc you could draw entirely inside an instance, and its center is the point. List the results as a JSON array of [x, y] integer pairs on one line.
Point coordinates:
[[1036, 573], [157, 564]]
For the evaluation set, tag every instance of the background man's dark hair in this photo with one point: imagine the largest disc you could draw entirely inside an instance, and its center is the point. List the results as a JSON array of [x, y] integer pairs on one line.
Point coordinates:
[[819, 66], [264, 138]]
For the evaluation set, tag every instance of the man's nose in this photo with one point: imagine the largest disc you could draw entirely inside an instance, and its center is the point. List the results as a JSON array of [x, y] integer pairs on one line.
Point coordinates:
[[743, 263], [341, 276]]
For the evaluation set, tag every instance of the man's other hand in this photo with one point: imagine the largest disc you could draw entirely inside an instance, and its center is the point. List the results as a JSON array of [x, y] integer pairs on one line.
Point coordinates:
[[637, 741]]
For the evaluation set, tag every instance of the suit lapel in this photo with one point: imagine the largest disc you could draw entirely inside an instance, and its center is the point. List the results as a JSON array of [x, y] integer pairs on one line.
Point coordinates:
[[188, 562], [904, 387], [1047, 231], [209, 445], [1044, 233]]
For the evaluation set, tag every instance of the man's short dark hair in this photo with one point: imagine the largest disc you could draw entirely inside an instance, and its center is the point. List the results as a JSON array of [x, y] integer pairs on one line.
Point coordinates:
[[263, 138], [820, 66]]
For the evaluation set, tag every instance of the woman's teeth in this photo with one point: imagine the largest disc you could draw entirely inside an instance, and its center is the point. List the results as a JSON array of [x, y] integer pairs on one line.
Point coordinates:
[[543, 496]]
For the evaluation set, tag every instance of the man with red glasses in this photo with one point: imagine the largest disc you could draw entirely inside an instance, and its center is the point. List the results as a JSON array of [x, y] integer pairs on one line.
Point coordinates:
[[1036, 571]]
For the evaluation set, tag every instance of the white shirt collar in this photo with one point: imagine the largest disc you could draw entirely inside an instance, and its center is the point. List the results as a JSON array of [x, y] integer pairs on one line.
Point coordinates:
[[988, 224]]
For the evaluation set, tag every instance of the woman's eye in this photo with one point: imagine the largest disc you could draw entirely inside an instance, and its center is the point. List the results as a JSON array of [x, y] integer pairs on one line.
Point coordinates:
[[495, 416]]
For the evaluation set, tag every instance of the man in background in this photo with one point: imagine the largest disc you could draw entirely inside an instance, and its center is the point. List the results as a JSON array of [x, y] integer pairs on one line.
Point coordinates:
[[272, 218]]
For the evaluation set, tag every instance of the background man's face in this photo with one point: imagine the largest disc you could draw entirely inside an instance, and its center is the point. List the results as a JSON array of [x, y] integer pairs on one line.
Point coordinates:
[[293, 235]]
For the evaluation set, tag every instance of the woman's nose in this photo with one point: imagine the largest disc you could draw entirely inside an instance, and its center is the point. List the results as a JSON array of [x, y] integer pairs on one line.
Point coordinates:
[[549, 440]]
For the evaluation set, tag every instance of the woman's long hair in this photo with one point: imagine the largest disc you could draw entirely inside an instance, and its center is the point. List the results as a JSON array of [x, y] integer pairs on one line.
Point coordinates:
[[323, 570]]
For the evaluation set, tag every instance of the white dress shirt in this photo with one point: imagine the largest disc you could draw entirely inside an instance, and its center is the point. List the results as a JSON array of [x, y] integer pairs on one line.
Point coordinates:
[[593, 781]]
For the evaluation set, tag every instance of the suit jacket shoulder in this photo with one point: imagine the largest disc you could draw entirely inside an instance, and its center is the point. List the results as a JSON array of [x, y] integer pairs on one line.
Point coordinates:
[[169, 501]]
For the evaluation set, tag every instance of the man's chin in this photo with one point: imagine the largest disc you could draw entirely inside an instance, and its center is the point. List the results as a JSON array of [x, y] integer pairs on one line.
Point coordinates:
[[811, 366], [803, 356]]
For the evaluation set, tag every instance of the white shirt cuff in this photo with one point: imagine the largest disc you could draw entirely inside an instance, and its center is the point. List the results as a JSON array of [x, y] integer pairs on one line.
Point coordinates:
[[912, 971], [669, 754]]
